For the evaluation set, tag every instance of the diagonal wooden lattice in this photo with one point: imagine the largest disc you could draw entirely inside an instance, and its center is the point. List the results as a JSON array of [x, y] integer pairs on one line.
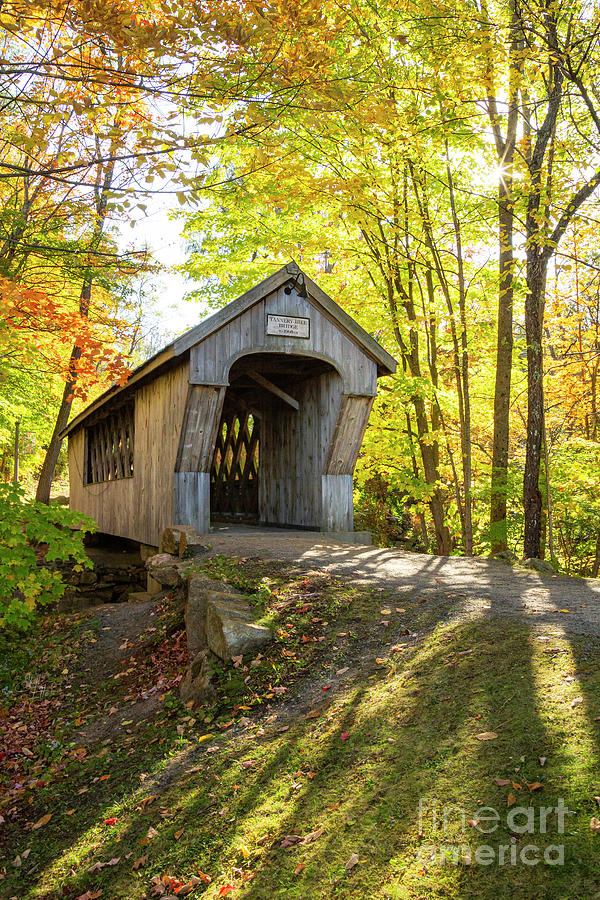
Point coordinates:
[[109, 447], [234, 473]]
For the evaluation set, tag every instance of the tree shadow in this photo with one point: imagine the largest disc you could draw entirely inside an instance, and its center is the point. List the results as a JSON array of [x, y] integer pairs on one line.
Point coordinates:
[[411, 735]]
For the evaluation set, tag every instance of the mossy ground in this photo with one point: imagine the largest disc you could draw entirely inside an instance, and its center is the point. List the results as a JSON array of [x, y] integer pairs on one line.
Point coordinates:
[[336, 762]]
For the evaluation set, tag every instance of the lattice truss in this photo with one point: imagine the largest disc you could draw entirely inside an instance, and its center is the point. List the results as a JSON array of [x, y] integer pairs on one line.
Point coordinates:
[[109, 447], [234, 473]]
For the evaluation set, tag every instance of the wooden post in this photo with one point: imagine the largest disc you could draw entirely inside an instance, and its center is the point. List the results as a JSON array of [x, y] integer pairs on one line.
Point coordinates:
[[16, 469]]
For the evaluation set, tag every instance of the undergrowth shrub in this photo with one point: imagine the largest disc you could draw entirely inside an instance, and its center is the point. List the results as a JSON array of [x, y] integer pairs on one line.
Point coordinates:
[[29, 533]]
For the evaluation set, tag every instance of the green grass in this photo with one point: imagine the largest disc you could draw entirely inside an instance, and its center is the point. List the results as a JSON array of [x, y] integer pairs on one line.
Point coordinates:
[[223, 804]]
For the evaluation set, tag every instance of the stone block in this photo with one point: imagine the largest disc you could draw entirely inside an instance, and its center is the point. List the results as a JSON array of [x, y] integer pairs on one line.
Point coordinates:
[[199, 586], [169, 541], [152, 586], [230, 634], [227, 605], [195, 684], [539, 565], [88, 577], [163, 568]]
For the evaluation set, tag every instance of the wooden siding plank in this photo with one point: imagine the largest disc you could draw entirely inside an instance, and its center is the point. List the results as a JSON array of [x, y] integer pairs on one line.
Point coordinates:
[[140, 506], [219, 350], [348, 435]]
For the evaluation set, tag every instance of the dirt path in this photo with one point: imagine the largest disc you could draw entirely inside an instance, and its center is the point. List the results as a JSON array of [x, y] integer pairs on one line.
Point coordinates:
[[454, 588], [463, 588], [117, 623]]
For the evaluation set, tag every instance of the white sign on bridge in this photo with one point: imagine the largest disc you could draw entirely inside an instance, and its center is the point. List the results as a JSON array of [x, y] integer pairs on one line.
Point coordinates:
[[288, 326]]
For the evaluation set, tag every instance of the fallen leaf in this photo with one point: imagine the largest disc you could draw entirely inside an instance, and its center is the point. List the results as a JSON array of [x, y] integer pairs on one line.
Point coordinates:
[[501, 782], [542, 760], [111, 821], [312, 836], [178, 834], [350, 863], [226, 889], [595, 825], [486, 736], [298, 869], [140, 862], [342, 671], [314, 714], [534, 786], [344, 736], [289, 840], [511, 799], [576, 702], [43, 821], [203, 877]]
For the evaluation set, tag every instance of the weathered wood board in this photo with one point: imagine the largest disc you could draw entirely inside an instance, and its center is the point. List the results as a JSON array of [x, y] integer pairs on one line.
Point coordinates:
[[140, 506], [211, 360]]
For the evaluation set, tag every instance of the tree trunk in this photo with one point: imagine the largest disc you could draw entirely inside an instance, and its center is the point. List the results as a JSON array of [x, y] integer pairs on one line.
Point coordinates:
[[504, 351], [596, 565], [505, 149], [102, 188], [548, 495], [532, 497], [44, 485]]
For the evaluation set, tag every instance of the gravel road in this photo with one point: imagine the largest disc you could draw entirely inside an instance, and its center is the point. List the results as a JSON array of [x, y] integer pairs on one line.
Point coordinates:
[[463, 588]]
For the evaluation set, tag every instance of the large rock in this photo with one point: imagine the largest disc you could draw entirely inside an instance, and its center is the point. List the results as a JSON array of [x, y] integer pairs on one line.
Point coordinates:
[[163, 568], [195, 684], [168, 570], [505, 556], [199, 586], [230, 630], [540, 565]]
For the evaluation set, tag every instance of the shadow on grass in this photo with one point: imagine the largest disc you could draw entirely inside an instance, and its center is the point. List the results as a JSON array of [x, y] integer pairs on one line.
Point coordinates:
[[411, 737], [405, 734]]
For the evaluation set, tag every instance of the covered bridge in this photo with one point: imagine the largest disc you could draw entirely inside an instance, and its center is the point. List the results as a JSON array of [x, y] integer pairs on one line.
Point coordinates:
[[256, 415]]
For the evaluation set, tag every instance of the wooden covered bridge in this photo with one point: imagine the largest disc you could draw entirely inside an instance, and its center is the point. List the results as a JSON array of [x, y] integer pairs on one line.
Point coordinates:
[[256, 415]]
